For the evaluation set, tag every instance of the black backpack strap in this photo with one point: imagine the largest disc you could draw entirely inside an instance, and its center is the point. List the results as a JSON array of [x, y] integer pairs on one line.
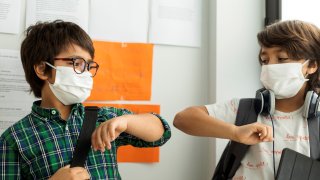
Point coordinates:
[[218, 173], [234, 151], [84, 141], [314, 135], [246, 114]]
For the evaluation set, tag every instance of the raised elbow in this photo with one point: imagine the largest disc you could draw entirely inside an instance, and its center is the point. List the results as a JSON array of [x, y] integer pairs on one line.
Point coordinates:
[[178, 120], [181, 119]]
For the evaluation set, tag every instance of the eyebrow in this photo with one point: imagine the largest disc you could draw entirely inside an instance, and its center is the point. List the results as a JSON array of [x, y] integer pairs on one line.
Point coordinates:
[[263, 53], [75, 56]]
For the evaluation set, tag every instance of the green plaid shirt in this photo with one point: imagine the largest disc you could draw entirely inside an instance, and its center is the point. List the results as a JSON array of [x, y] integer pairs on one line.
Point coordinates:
[[41, 143]]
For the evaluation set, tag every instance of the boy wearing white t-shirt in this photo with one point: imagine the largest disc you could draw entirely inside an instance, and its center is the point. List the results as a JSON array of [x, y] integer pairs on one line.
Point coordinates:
[[289, 55]]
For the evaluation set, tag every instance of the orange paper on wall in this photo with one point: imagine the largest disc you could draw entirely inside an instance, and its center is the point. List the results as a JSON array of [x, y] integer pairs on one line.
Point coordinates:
[[133, 154], [125, 71]]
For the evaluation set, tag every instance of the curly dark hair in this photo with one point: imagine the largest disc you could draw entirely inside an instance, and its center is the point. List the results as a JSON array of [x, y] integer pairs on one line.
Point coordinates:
[[301, 40], [44, 41]]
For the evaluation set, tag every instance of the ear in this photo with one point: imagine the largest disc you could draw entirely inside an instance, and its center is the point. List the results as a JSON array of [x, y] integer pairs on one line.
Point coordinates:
[[312, 68], [40, 70]]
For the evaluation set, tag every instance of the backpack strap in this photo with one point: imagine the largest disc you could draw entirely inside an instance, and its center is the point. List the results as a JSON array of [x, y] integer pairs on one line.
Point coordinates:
[[314, 134], [246, 114], [234, 151], [84, 141]]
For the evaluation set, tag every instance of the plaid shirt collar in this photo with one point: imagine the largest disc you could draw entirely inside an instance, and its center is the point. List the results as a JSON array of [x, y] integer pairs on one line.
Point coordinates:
[[46, 114]]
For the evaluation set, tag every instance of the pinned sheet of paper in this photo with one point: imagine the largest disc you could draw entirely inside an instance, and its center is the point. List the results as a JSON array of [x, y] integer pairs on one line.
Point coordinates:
[[133, 154], [49, 10], [10, 16], [175, 22], [15, 99], [125, 71], [119, 20]]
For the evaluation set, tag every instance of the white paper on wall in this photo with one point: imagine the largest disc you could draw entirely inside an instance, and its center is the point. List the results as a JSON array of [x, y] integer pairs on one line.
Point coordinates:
[[119, 20], [15, 99], [76, 11], [10, 16], [176, 22]]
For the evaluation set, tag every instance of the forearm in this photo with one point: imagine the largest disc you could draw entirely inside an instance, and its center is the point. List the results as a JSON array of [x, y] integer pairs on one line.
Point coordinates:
[[196, 121], [147, 127]]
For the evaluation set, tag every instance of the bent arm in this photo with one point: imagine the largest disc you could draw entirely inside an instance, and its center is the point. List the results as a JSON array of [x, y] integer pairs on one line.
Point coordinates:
[[147, 127], [196, 121]]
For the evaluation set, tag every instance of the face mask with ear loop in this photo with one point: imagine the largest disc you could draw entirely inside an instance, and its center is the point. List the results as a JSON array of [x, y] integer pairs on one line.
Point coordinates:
[[285, 80], [70, 87]]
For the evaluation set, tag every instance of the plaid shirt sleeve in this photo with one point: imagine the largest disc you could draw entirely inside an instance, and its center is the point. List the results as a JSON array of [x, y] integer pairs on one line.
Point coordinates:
[[128, 139], [125, 138], [9, 161]]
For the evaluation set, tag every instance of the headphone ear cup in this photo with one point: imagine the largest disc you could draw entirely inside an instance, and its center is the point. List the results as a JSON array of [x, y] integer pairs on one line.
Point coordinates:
[[266, 102], [272, 101], [310, 106], [259, 101]]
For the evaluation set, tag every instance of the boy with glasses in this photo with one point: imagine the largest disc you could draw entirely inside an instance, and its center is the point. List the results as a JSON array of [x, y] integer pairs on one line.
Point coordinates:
[[57, 60]]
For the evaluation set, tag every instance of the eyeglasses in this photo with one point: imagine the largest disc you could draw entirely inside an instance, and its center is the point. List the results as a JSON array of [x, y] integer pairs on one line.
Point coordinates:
[[80, 65]]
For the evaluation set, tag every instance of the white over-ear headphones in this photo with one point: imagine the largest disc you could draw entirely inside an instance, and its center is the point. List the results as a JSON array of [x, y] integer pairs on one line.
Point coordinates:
[[266, 103]]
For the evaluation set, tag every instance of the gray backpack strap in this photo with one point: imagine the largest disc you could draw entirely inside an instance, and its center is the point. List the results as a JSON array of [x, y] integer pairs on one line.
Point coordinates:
[[314, 134], [234, 151]]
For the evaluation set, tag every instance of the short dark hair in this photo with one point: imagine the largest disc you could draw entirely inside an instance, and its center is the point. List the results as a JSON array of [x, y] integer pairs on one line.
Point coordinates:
[[301, 40], [44, 41]]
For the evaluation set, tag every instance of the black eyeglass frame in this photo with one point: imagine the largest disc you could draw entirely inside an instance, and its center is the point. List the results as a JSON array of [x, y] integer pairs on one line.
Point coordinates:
[[87, 64]]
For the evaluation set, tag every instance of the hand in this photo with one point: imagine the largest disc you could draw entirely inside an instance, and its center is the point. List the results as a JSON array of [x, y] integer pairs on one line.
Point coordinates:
[[253, 133], [108, 132], [67, 173]]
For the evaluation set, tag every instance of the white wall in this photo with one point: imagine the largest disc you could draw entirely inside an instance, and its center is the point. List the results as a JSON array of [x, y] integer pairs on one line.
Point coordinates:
[[224, 67], [234, 70]]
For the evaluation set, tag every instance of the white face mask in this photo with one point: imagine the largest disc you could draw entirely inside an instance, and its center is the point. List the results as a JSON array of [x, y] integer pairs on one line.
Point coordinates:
[[70, 87], [285, 80]]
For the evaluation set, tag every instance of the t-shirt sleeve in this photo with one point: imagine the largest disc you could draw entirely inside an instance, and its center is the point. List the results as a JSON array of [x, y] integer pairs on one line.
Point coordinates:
[[225, 111]]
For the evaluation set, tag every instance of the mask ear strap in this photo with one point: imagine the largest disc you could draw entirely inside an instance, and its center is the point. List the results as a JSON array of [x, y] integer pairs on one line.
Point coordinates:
[[307, 61], [50, 65], [313, 67]]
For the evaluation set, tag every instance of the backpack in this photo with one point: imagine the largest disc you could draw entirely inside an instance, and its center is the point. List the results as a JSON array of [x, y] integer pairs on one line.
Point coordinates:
[[234, 152]]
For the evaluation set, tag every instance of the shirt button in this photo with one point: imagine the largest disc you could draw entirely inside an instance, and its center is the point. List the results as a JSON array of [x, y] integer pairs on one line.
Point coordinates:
[[53, 112]]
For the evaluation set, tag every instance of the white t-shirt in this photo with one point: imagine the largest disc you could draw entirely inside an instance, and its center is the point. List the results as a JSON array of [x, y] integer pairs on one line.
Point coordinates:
[[291, 130]]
